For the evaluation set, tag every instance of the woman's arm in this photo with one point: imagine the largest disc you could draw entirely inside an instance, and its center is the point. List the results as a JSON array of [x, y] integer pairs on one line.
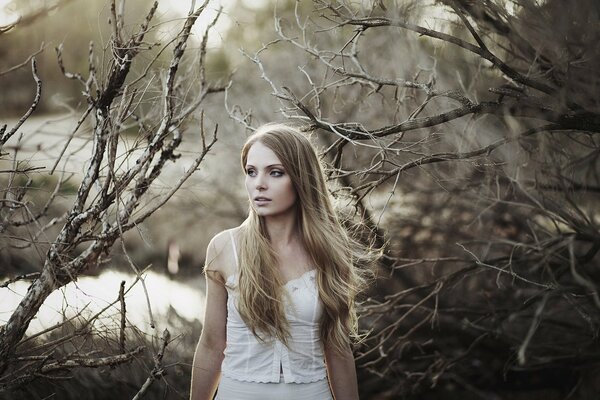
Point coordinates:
[[342, 374], [206, 367]]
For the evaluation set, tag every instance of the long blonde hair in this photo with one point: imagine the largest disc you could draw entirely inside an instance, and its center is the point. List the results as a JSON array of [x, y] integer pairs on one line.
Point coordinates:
[[331, 249]]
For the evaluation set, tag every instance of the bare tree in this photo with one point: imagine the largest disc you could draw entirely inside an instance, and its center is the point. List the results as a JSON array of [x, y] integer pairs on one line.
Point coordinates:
[[128, 91], [482, 120]]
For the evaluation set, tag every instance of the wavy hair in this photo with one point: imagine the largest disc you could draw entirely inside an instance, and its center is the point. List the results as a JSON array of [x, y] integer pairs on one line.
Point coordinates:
[[331, 249]]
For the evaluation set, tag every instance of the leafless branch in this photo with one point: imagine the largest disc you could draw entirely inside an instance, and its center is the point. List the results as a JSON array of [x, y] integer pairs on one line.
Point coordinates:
[[158, 369], [477, 174], [4, 138], [117, 191]]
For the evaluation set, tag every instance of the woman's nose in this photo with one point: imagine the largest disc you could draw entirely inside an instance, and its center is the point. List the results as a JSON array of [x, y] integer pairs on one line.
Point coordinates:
[[261, 183]]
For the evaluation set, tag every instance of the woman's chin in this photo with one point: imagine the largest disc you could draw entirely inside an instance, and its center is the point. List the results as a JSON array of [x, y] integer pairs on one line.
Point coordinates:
[[273, 212], [261, 211]]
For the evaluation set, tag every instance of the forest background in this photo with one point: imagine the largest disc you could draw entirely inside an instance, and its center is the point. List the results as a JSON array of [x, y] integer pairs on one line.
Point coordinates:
[[459, 137]]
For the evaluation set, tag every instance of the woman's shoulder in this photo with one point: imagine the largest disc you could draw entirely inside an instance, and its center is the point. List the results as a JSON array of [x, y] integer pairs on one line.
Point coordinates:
[[224, 238], [221, 254]]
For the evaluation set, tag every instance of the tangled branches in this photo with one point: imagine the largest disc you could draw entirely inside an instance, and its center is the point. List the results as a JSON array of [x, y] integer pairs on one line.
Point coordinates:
[[116, 191], [469, 143]]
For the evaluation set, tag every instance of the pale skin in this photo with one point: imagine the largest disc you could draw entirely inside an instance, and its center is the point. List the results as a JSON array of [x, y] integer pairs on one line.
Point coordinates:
[[273, 197]]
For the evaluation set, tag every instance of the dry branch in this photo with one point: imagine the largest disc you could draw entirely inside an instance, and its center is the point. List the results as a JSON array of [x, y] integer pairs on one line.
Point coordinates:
[[481, 179], [116, 192], [158, 370]]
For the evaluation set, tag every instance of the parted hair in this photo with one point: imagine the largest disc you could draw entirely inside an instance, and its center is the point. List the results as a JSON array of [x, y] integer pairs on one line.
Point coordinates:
[[331, 249]]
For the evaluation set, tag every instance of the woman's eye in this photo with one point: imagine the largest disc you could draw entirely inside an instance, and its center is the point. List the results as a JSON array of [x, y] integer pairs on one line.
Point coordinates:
[[250, 172], [276, 173]]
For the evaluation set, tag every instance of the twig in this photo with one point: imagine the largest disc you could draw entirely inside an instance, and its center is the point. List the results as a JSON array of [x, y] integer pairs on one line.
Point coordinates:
[[123, 319], [18, 66], [535, 323], [158, 370], [21, 277], [371, 22], [34, 104], [587, 283]]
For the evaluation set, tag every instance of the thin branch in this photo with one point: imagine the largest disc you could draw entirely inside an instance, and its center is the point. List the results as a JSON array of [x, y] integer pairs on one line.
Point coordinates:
[[535, 322], [158, 370], [34, 104], [123, 319], [27, 61], [372, 22]]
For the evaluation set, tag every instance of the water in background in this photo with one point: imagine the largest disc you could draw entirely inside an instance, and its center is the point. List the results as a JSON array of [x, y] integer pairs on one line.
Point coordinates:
[[89, 295]]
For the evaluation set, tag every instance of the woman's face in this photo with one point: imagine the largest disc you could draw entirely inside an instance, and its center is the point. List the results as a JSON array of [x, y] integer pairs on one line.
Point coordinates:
[[269, 187]]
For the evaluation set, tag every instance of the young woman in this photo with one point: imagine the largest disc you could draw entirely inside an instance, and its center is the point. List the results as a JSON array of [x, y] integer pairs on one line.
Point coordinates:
[[280, 288]]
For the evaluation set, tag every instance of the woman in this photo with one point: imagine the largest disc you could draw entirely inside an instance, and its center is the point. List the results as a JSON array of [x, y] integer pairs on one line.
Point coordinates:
[[281, 287]]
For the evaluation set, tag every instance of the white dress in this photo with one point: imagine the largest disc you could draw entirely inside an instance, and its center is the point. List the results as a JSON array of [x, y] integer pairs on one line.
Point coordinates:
[[255, 370]]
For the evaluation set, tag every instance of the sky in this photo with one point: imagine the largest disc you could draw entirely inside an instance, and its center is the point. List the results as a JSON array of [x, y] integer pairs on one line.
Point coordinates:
[[182, 7], [177, 8], [6, 16]]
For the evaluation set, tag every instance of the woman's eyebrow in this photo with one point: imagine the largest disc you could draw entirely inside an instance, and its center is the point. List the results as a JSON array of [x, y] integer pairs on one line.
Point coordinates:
[[268, 166]]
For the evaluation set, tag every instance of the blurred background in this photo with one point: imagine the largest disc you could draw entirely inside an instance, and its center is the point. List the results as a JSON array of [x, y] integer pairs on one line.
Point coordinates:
[[459, 137]]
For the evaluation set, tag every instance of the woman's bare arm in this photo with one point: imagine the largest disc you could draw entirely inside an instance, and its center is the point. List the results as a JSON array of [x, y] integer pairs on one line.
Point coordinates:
[[206, 367], [342, 374]]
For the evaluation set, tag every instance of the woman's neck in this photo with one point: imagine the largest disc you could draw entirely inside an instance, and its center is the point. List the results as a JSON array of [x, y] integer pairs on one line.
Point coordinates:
[[282, 229]]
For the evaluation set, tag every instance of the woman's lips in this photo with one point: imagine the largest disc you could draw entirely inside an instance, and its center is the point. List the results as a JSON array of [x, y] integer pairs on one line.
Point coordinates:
[[261, 201]]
